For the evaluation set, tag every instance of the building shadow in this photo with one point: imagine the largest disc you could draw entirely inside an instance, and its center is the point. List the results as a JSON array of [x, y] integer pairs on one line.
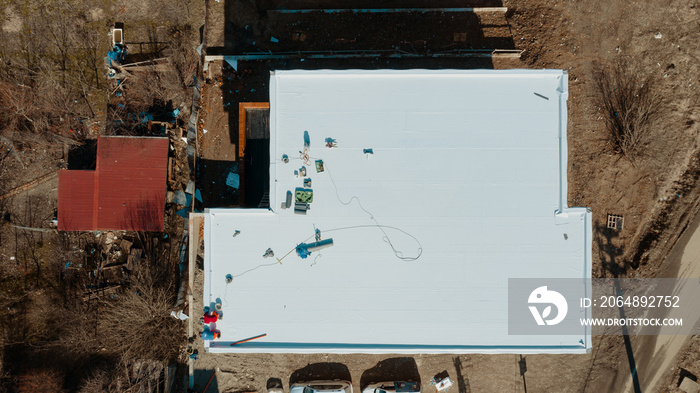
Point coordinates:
[[612, 258], [329, 27], [393, 369], [83, 156], [347, 34], [257, 172], [218, 184], [263, 5], [205, 381], [609, 251], [274, 383], [685, 374], [522, 365], [75, 369], [320, 372], [463, 381]]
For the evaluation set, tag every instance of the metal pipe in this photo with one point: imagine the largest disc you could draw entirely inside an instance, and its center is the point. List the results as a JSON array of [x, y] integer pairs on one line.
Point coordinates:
[[388, 53], [248, 339], [311, 247]]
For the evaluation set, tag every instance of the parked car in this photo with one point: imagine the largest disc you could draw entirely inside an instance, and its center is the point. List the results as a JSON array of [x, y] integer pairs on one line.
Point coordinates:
[[393, 387], [321, 387]]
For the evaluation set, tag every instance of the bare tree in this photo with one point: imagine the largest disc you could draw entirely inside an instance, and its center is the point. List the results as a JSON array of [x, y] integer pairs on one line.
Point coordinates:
[[183, 57], [138, 325], [630, 105], [20, 110], [99, 381], [134, 324]]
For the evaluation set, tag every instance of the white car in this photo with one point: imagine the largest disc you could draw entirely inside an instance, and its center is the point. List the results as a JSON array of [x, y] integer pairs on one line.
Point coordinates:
[[393, 387], [321, 387]]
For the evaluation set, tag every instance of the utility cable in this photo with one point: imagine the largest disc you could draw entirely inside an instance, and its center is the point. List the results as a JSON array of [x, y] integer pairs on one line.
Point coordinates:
[[398, 253], [386, 238]]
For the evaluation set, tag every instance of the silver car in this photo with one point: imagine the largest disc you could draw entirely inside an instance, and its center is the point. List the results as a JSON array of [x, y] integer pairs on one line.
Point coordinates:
[[321, 387], [393, 387]]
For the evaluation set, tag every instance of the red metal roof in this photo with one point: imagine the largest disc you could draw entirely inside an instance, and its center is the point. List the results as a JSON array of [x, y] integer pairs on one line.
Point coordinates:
[[76, 194], [128, 187]]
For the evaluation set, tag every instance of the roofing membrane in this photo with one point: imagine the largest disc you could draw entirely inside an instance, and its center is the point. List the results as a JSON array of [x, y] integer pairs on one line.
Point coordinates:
[[464, 188]]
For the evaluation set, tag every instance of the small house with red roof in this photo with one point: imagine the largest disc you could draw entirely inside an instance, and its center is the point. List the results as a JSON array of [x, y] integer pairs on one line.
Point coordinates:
[[126, 191]]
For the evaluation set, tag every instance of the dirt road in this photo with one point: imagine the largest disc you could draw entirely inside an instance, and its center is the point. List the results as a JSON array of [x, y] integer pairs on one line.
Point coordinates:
[[657, 355]]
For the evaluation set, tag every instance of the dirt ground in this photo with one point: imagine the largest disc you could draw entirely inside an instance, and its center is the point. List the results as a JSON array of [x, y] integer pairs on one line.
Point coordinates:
[[657, 354], [655, 192]]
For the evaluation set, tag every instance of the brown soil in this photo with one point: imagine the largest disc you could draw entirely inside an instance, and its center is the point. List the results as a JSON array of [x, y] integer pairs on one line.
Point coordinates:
[[214, 139], [655, 191]]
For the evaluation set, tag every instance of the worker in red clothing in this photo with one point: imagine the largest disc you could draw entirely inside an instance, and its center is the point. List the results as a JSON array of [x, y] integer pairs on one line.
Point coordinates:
[[210, 317]]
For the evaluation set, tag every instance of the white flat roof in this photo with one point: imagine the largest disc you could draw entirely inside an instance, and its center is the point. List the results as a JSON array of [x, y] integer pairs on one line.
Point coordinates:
[[468, 171]]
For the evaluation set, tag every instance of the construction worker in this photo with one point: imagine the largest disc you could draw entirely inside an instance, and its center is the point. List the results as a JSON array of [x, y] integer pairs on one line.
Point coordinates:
[[208, 334], [209, 317]]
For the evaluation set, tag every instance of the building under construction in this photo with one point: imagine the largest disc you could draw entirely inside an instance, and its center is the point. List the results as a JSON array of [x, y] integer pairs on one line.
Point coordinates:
[[400, 204]]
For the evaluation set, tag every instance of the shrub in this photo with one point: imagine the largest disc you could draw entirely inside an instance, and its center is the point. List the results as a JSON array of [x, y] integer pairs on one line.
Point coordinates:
[[630, 105]]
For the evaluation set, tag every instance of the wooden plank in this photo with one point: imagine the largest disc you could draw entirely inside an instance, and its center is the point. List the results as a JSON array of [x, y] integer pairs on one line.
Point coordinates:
[[195, 223], [507, 53], [490, 9], [101, 292], [170, 169]]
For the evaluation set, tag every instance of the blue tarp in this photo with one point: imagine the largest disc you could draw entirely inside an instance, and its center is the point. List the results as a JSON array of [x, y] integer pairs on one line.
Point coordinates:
[[117, 54], [233, 180], [182, 198], [232, 61], [145, 117]]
